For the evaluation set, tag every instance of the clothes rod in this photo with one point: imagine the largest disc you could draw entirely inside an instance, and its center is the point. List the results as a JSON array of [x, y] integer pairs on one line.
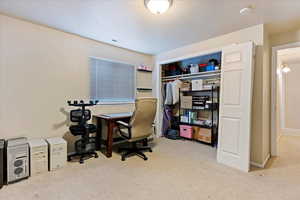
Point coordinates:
[[192, 77], [195, 74]]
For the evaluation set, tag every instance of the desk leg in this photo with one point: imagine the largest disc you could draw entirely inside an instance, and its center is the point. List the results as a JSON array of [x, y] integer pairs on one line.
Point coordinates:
[[109, 138], [98, 135]]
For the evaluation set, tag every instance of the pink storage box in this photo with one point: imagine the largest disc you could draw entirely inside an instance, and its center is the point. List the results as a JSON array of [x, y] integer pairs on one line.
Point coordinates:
[[186, 131]]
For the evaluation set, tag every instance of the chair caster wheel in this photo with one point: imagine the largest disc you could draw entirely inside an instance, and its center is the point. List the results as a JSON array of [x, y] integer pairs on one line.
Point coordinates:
[[123, 159], [145, 158], [150, 150], [96, 156], [81, 161]]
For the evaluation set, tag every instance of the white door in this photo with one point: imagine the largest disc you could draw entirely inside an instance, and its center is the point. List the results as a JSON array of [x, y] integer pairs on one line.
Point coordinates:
[[235, 106]]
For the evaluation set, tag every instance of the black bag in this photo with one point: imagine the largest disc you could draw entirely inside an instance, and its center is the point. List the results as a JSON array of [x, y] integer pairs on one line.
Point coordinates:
[[175, 123], [172, 134]]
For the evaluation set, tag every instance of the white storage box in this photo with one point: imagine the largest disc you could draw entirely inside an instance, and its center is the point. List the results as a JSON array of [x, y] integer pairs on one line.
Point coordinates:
[[57, 153], [197, 84], [38, 149]]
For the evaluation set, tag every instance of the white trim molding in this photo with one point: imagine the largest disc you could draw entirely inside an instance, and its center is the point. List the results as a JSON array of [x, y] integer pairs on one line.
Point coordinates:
[[290, 131], [263, 164]]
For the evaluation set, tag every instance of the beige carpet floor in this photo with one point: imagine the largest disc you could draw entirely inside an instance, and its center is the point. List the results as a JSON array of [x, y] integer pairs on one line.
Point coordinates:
[[177, 170]]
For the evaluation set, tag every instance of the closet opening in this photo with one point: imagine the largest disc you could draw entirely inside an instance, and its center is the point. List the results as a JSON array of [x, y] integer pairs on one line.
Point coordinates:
[[207, 99], [190, 99]]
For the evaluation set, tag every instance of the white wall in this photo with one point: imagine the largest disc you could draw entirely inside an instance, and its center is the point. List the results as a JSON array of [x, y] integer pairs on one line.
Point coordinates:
[[40, 69], [289, 97], [260, 132], [279, 99], [292, 97], [285, 38]]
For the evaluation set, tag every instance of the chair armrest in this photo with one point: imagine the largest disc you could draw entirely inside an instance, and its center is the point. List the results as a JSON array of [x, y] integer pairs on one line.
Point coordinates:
[[124, 124]]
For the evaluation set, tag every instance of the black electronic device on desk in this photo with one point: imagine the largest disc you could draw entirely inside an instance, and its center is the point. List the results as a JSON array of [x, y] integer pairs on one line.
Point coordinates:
[[86, 145]]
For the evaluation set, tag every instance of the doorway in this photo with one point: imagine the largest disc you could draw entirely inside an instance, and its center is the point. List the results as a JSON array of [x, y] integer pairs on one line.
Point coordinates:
[[285, 119]]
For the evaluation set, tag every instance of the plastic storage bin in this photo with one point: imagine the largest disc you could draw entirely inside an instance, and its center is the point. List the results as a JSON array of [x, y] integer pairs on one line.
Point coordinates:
[[210, 68], [186, 131]]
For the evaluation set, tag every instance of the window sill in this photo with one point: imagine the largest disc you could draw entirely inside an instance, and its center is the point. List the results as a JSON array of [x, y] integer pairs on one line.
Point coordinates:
[[115, 103]]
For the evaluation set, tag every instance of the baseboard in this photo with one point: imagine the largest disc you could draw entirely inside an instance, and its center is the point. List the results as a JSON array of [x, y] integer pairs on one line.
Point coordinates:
[[255, 164], [263, 164]]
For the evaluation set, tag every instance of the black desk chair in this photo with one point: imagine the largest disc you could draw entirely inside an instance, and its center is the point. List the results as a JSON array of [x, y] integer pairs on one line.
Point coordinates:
[[86, 146]]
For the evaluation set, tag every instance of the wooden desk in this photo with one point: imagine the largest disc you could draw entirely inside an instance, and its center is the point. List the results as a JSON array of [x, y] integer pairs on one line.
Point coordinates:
[[110, 120]]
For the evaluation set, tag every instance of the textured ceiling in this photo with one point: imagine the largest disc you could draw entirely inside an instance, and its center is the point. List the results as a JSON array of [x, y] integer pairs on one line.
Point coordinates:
[[135, 28]]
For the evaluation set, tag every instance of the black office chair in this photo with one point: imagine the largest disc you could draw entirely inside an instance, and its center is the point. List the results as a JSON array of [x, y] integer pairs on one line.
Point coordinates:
[[86, 146]]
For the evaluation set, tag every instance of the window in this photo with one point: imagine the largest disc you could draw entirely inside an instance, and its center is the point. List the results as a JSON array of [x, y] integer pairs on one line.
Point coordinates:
[[112, 81]]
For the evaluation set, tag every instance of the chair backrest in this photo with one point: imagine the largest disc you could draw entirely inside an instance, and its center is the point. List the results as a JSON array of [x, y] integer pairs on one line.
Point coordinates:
[[77, 115], [143, 117]]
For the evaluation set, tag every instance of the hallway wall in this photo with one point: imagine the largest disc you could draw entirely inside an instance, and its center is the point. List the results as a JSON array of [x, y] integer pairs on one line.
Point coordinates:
[[288, 94]]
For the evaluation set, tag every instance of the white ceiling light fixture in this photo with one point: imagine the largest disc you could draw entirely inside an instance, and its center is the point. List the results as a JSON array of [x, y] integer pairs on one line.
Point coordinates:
[[247, 10], [158, 6]]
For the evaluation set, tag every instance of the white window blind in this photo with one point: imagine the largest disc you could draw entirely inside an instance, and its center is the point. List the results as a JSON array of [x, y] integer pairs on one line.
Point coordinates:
[[111, 81]]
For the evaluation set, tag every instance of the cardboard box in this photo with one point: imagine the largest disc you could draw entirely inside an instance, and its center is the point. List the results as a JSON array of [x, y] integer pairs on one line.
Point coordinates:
[[186, 102], [186, 86], [202, 134]]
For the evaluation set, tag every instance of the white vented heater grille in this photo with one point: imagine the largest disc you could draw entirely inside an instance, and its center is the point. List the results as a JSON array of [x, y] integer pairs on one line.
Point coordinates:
[[111, 81]]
